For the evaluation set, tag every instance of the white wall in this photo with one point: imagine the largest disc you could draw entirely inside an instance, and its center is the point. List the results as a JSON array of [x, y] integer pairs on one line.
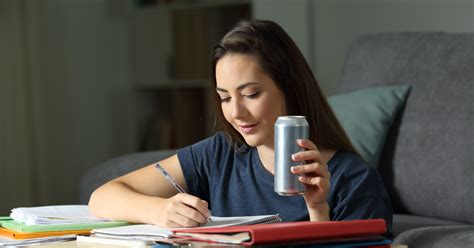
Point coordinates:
[[338, 22], [81, 86], [295, 16], [335, 23], [66, 95], [15, 124]]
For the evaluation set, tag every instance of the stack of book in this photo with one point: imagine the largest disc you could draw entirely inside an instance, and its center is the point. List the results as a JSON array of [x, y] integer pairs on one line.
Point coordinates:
[[143, 235], [28, 226], [32, 225], [252, 230]]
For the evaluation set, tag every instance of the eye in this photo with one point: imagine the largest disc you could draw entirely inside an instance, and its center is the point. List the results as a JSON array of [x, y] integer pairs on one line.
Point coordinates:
[[254, 95], [226, 99]]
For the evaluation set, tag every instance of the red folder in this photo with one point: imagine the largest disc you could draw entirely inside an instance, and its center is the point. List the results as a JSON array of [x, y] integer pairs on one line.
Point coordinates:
[[291, 232]]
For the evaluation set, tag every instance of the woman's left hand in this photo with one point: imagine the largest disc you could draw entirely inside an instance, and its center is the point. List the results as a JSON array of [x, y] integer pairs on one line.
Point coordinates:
[[315, 175]]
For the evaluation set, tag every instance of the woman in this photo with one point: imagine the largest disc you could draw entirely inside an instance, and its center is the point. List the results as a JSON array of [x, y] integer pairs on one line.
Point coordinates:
[[258, 74]]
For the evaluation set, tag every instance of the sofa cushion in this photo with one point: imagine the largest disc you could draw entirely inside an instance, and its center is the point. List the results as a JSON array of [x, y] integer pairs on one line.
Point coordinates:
[[427, 161], [402, 223], [366, 115], [116, 167], [438, 237]]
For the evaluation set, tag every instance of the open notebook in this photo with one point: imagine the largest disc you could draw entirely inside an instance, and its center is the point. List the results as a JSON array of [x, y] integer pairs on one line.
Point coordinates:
[[147, 231]]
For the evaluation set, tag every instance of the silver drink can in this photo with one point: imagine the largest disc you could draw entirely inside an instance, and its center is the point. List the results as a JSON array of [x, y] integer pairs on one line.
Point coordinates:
[[287, 130]]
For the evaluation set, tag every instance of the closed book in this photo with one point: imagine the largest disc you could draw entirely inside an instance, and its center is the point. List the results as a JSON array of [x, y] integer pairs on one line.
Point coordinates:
[[289, 232], [112, 241], [21, 227], [27, 235]]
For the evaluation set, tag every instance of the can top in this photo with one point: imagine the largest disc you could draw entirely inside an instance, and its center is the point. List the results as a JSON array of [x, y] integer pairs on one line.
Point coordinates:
[[294, 120]]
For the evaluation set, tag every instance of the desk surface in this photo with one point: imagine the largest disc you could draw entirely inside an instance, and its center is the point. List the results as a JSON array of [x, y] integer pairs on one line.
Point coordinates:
[[74, 244]]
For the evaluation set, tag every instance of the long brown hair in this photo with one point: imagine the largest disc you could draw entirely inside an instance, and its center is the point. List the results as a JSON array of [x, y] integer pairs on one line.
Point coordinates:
[[281, 59]]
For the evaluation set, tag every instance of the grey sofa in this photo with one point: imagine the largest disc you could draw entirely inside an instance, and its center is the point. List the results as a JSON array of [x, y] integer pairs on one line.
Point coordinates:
[[427, 162]]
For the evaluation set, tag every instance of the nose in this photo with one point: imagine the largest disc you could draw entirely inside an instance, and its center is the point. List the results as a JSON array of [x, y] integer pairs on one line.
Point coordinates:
[[238, 109]]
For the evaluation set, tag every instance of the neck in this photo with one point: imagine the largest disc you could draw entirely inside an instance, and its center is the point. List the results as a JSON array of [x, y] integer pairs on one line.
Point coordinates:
[[267, 157]]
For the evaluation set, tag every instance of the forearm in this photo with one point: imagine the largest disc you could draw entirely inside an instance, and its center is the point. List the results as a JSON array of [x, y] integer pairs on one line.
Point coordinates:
[[117, 201], [319, 212]]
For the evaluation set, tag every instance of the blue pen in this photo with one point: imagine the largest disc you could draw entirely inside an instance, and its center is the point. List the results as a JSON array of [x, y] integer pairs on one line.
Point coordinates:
[[172, 181], [169, 178]]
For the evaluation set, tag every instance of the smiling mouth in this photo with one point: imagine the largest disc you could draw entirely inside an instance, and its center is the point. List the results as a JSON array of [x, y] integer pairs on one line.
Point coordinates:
[[248, 128]]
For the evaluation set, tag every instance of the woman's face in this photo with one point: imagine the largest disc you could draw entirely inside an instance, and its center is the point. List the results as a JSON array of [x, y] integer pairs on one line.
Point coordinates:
[[250, 100]]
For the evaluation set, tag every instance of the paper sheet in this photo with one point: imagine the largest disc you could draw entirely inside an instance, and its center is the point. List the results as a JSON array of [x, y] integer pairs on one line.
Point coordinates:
[[6, 242], [155, 231], [59, 214]]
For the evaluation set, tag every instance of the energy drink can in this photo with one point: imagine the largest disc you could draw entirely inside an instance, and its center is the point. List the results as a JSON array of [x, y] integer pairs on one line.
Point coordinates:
[[287, 130]]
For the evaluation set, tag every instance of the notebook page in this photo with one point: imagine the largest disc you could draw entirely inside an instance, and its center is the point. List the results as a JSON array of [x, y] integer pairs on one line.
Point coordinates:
[[134, 230], [155, 231], [241, 220], [63, 214]]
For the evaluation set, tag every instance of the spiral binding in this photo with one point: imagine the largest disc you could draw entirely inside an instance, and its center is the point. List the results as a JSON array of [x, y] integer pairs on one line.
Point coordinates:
[[268, 220]]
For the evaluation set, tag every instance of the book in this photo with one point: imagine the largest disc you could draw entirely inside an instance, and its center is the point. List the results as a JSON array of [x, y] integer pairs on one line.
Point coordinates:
[[109, 241], [289, 232], [21, 227], [147, 230], [26, 235], [35, 241], [140, 231]]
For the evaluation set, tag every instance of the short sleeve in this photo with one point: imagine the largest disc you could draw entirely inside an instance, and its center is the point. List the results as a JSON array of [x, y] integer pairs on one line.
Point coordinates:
[[197, 163], [360, 194]]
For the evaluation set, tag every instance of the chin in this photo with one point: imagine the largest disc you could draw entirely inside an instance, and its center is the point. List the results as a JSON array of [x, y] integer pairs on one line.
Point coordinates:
[[253, 141]]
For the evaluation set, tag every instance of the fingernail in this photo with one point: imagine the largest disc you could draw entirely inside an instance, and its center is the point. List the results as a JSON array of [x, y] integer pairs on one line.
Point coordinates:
[[295, 168], [293, 156]]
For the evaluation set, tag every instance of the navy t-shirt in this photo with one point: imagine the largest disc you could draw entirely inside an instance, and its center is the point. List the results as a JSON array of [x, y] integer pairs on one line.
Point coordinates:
[[237, 184]]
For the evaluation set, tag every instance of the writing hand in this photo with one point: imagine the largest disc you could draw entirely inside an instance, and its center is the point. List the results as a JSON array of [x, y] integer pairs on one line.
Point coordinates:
[[182, 210]]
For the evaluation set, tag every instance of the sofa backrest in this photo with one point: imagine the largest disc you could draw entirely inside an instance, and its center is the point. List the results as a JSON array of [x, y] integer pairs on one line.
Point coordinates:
[[116, 167], [427, 162]]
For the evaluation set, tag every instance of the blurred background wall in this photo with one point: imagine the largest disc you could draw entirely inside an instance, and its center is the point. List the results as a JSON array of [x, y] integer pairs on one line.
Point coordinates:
[[82, 81]]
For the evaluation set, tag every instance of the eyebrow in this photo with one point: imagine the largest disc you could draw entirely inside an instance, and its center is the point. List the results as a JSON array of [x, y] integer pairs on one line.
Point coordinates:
[[240, 87]]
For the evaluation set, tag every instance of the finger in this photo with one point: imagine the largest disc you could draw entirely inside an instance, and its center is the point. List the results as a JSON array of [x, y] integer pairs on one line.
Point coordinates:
[[195, 202], [308, 155], [182, 220], [315, 167], [321, 182], [307, 144], [175, 217], [169, 224], [189, 216]]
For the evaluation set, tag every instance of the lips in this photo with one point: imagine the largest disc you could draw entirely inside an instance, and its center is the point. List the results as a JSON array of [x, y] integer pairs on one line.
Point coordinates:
[[248, 128]]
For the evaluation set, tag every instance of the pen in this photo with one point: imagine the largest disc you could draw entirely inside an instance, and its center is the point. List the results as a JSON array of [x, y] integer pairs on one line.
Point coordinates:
[[169, 178], [172, 181]]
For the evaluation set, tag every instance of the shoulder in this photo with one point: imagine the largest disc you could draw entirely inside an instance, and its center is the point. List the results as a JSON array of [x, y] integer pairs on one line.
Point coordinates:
[[357, 190], [348, 163], [351, 174], [218, 140], [212, 148]]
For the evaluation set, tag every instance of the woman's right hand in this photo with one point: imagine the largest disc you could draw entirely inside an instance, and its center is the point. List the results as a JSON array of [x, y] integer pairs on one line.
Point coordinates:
[[181, 210]]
